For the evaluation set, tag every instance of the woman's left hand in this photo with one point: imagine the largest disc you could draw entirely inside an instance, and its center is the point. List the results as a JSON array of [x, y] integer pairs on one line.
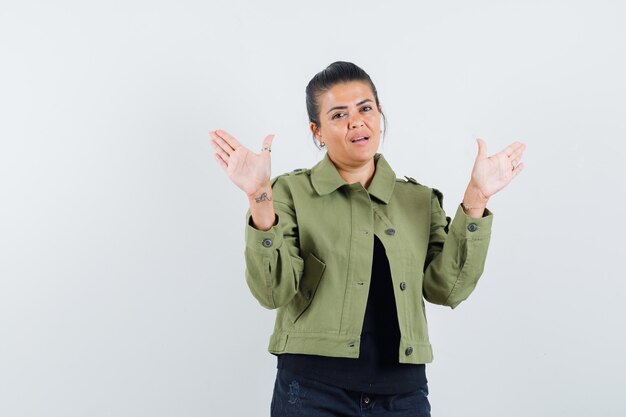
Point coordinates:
[[492, 173]]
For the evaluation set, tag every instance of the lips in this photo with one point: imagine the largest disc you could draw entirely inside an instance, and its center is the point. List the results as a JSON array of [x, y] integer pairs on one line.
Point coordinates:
[[359, 139]]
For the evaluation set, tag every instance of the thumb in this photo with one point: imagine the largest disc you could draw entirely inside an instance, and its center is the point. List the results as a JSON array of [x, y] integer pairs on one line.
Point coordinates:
[[267, 142], [482, 147]]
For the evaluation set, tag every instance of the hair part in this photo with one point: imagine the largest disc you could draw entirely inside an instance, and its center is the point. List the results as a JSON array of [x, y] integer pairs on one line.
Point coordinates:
[[336, 73]]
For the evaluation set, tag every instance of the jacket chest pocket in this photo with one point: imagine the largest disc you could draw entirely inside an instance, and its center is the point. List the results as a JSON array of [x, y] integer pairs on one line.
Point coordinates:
[[311, 276]]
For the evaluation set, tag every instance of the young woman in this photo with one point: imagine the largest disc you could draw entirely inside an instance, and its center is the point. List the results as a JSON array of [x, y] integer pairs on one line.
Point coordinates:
[[347, 253]]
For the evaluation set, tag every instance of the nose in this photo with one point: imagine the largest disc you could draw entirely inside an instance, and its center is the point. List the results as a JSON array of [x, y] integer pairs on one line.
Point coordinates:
[[356, 122]]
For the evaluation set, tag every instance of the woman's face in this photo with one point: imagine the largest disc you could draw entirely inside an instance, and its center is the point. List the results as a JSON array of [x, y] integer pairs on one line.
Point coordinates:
[[349, 123]]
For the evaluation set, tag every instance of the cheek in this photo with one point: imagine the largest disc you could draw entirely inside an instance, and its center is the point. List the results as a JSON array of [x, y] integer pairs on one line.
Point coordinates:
[[374, 123], [374, 117], [334, 130]]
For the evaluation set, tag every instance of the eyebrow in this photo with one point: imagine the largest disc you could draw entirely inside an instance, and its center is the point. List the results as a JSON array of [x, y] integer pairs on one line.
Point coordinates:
[[345, 107]]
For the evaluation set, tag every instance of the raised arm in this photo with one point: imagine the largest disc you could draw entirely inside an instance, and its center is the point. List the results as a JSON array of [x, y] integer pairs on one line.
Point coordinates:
[[250, 172], [272, 253], [457, 251]]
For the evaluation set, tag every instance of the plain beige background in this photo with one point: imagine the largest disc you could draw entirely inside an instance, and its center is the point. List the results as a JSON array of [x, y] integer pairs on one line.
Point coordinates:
[[121, 241]]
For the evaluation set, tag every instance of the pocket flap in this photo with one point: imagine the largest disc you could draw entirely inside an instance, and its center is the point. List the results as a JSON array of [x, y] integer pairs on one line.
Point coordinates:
[[313, 271]]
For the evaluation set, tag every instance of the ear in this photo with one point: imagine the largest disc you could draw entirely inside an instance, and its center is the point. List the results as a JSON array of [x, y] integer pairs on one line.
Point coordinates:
[[314, 130], [380, 108]]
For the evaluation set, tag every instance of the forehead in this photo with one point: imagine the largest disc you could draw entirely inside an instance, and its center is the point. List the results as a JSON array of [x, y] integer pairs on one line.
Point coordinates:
[[345, 94]]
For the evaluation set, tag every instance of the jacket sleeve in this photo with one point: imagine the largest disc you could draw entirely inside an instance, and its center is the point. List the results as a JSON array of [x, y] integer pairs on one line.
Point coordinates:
[[273, 263], [456, 254]]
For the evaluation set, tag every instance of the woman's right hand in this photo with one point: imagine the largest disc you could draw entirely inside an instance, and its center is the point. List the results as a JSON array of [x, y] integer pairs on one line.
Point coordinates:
[[248, 170]]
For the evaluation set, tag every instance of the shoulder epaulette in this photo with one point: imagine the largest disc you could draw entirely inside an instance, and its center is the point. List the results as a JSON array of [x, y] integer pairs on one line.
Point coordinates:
[[297, 171], [411, 179]]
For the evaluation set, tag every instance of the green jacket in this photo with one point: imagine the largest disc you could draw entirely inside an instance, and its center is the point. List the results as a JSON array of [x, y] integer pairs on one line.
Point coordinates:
[[315, 264]]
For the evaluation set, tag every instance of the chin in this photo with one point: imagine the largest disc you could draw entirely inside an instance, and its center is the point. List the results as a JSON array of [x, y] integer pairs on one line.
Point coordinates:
[[363, 156]]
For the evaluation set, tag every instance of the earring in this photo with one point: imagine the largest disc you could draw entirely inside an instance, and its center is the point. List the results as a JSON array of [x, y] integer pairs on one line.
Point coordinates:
[[322, 144]]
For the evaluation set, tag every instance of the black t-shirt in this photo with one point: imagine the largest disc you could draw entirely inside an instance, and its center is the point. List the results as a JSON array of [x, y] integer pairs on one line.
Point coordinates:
[[377, 370]]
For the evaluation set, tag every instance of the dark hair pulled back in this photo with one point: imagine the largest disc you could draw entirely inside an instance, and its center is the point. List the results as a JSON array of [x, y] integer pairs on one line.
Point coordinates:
[[336, 73]]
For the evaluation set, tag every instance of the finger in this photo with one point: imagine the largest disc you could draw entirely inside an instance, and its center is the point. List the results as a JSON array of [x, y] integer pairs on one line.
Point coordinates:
[[214, 135], [221, 162], [219, 151], [518, 169], [219, 140], [223, 146], [482, 147], [509, 150], [518, 152], [216, 145], [267, 142], [234, 143]]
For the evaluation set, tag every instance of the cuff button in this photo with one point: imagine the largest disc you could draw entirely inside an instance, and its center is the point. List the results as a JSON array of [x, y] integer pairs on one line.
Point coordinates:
[[472, 227], [267, 242]]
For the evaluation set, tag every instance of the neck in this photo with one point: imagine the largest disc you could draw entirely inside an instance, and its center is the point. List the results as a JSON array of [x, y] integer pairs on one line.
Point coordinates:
[[363, 173]]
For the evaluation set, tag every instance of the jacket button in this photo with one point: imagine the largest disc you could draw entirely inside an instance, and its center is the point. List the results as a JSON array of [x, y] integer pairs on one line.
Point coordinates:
[[390, 232], [403, 286], [267, 242], [408, 351], [472, 227]]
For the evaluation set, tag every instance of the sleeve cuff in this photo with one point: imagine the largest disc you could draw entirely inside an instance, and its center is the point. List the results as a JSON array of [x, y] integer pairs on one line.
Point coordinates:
[[264, 241], [470, 228]]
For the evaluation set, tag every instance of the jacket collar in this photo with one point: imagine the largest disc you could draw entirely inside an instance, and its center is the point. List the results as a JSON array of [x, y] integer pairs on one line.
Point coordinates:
[[326, 179]]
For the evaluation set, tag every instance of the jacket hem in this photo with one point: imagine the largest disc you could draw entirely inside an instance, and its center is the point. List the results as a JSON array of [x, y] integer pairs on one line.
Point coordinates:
[[342, 346]]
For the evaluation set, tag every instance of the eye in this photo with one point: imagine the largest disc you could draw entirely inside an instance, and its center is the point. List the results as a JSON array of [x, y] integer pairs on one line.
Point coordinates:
[[366, 108], [337, 115]]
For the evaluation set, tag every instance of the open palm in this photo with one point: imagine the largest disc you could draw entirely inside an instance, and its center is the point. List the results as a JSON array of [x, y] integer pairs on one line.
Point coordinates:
[[493, 173], [247, 170]]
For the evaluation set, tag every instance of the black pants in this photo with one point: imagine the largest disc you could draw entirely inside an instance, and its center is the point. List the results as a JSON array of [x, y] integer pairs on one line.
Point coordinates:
[[296, 396]]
